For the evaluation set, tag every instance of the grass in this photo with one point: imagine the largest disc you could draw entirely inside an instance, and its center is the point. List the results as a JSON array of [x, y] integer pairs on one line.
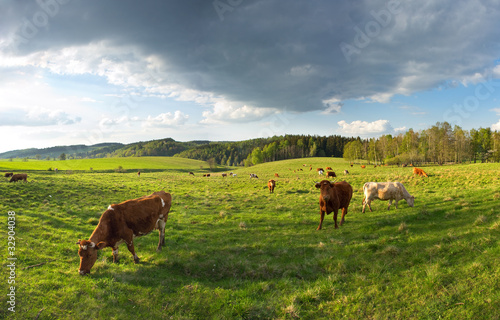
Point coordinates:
[[234, 251]]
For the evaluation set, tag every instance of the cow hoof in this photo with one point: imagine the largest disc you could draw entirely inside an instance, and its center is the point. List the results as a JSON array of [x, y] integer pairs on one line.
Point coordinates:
[[158, 249], [136, 260]]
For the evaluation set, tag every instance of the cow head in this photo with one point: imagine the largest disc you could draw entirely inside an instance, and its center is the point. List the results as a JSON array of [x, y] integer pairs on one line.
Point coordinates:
[[325, 187], [88, 254]]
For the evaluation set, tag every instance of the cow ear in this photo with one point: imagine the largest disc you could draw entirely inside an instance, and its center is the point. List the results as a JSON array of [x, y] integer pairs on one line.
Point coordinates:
[[317, 185], [79, 241], [101, 245]]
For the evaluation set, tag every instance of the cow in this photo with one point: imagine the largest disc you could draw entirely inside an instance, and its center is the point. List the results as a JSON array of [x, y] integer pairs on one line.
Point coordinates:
[[320, 169], [224, 175], [320, 172], [253, 175], [363, 166], [420, 172], [190, 173], [329, 168], [330, 174], [276, 175], [8, 174], [346, 172], [386, 191], [352, 165], [310, 168], [121, 223], [206, 175], [403, 165], [138, 173], [333, 196], [271, 184], [19, 176]]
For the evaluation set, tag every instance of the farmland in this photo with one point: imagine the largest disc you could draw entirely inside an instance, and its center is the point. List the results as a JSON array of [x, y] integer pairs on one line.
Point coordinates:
[[234, 251]]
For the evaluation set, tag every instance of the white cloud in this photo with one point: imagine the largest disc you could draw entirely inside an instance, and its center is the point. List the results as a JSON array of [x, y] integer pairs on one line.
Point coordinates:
[[332, 105], [400, 129], [496, 110], [36, 116], [359, 127], [225, 112], [167, 120], [496, 126]]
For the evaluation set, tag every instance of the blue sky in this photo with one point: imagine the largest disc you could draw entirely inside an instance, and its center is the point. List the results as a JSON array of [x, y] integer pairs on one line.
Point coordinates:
[[86, 72]]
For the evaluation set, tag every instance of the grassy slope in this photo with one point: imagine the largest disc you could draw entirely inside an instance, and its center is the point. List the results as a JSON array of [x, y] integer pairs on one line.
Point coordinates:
[[235, 251]]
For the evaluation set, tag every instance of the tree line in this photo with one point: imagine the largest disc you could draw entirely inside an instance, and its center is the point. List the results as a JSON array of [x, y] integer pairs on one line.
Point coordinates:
[[438, 144]]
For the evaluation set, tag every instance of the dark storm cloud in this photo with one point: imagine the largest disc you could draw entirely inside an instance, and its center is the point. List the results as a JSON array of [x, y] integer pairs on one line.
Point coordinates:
[[293, 55]]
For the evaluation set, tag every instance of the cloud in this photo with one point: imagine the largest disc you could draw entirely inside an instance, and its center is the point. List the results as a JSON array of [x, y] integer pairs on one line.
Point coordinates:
[[364, 128], [400, 129], [223, 112], [496, 110], [167, 120], [37, 116], [496, 126]]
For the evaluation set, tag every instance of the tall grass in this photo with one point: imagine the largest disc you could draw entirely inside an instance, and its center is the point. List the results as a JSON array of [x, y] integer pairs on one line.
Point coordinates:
[[234, 251]]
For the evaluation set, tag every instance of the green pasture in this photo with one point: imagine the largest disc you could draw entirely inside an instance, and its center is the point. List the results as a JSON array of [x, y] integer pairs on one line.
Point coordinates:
[[235, 251]]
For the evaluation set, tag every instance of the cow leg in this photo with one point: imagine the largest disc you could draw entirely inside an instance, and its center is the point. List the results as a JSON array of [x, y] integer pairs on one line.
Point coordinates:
[[396, 203], [129, 240], [161, 229], [335, 218], [344, 212], [368, 202], [390, 202], [321, 219], [364, 205]]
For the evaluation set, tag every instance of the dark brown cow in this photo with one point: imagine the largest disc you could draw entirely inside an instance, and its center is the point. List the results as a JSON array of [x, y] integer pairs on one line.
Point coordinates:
[[420, 172], [138, 173], [271, 184], [8, 174], [121, 223], [19, 176], [330, 174], [190, 173], [333, 196], [224, 175]]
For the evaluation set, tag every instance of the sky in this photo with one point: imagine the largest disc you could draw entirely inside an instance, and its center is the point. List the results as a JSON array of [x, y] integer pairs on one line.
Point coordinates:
[[87, 72]]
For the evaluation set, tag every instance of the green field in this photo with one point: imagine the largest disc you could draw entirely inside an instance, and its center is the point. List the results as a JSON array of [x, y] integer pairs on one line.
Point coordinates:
[[234, 251]]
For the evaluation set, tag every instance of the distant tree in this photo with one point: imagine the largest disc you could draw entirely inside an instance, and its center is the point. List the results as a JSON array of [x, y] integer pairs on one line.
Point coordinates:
[[38, 156], [62, 156]]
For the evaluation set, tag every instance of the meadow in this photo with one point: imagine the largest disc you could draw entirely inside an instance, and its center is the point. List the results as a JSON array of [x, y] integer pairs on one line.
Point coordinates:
[[235, 251]]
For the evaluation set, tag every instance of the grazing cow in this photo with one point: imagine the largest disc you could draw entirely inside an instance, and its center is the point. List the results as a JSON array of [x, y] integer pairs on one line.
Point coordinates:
[[386, 191], [276, 175], [404, 165], [320, 169], [121, 223], [310, 168], [329, 168], [420, 172], [352, 165], [333, 196], [19, 176], [346, 172], [234, 174], [271, 184], [375, 166], [190, 173], [8, 174], [362, 167], [138, 173], [330, 174], [253, 175], [320, 172], [224, 174], [206, 175]]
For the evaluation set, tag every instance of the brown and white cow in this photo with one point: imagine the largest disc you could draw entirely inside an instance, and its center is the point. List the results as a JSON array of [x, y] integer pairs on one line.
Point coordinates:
[[18, 177], [386, 191], [346, 172], [271, 184], [122, 223], [420, 172], [333, 196], [330, 174]]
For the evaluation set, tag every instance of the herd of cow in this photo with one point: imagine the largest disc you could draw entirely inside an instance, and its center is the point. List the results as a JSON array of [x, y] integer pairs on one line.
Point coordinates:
[[134, 218]]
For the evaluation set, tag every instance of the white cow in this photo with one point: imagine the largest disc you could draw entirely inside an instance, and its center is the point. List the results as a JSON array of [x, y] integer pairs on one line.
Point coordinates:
[[386, 191]]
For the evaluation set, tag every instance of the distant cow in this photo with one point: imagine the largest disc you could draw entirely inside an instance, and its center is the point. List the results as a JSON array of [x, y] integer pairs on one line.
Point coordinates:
[[404, 165], [206, 175], [420, 172], [346, 172], [310, 168], [320, 172], [8, 174], [320, 169], [121, 223], [386, 191], [333, 196], [362, 167], [138, 173], [330, 174], [19, 176], [224, 174], [190, 173], [271, 184], [329, 168], [352, 165], [276, 175], [253, 175]]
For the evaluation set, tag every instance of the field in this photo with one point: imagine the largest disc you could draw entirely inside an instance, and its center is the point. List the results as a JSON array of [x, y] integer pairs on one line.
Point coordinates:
[[234, 251]]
